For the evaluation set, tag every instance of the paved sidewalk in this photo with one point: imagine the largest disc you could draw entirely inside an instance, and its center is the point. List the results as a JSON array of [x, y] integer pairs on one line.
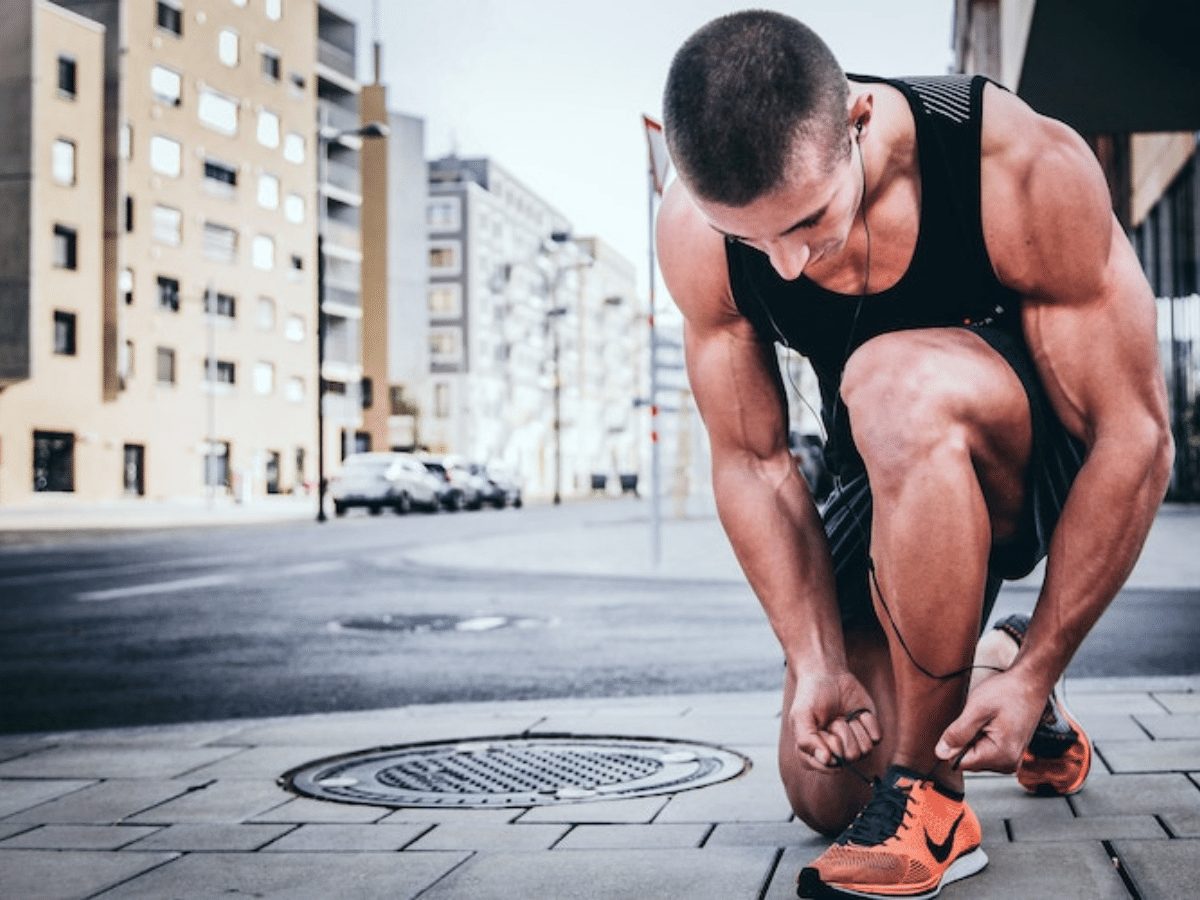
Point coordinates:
[[194, 811]]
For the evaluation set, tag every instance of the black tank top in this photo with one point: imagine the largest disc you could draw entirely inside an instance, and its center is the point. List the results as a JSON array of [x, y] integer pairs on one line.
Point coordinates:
[[950, 280]]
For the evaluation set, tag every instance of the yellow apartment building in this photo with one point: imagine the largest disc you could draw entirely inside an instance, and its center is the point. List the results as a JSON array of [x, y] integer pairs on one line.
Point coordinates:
[[159, 302]]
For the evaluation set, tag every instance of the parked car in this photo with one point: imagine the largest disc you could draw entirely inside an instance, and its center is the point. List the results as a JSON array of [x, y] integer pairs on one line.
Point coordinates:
[[451, 495], [383, 480], [506, 490]]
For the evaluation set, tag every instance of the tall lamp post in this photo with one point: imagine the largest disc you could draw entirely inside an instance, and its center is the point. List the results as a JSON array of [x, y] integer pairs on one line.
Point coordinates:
[[324, 138]]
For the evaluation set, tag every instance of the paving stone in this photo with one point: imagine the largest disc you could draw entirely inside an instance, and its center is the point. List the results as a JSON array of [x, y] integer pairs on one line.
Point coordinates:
[[188, 734], [221, 801], [348, 838], [783, 880], [1183, 824], [105, 803], [302, 810], [766, 834], [1064, 871], [51, 875], [1161, 869], [1123, 795], [493, 816], [110, 761], [8, 830], [1179, 702], [1086, 828], [730, 873], [211, 838], [1085, 705], [633, 837], [740, 730], [465, 836], [16, 796], [268, 762], [1115, 727], [11, 748], [756, 796], [1003, 798], [637, 810], [1166, 727], [1153, 756], [296, 876], [381, 732], [78, 837]]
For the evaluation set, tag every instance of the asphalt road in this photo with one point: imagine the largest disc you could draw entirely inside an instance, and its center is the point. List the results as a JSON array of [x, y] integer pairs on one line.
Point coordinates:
[[201, 624]]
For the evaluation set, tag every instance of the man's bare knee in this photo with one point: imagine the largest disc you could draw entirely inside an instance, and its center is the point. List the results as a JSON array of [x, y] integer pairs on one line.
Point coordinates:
[[825, 803]]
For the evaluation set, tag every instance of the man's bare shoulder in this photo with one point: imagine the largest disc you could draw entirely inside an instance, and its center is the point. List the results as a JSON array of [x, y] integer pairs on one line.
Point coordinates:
[[691, 256], [1046, 209]]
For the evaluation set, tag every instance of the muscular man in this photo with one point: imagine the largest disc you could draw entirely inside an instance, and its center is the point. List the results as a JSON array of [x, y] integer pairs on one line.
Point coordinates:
[[985, 344]]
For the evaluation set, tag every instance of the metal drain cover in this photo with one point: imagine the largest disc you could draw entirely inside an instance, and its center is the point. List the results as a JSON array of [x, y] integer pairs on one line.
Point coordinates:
[[515, 771]]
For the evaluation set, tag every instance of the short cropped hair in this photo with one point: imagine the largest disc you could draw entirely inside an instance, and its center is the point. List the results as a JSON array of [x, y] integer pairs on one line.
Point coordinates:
[[739, 94]]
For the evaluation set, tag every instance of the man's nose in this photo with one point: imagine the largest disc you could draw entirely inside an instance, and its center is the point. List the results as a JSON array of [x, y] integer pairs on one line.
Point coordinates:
[[788, 260]]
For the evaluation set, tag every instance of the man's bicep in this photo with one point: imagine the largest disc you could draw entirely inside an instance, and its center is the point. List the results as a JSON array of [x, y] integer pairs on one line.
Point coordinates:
[[735, 380]]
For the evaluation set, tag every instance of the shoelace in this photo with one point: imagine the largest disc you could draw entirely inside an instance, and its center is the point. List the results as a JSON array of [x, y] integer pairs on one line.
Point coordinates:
[[880, 818]]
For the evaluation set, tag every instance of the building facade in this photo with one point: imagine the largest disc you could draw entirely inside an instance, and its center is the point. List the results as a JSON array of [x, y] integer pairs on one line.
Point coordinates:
[[180, 258]]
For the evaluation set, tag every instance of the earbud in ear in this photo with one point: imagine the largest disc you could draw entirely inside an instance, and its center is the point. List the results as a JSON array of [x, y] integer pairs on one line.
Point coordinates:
[[858, 127]]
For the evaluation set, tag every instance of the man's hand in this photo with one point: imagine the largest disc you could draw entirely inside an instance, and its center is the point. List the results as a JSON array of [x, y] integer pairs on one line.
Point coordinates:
[[995, 725], [832, 715]]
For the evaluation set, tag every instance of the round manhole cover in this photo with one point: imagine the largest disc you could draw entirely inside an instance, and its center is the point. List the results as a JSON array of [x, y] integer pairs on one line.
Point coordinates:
[[423, 624], [515, 771]]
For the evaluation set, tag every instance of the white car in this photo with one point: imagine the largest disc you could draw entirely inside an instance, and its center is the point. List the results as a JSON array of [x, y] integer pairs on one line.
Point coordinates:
[[378, 480]]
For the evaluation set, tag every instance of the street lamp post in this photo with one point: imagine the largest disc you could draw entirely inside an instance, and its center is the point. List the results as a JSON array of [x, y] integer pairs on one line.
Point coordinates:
[[324, 138]]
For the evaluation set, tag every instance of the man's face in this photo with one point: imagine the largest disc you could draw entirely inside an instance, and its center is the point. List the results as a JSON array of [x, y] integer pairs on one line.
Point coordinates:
[[805, 220]]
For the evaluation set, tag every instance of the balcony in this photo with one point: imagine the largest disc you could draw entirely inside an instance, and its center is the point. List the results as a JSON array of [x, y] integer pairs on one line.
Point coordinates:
[[342, 234], [343, 176], [337, 118], [341, 296], [335, 57]]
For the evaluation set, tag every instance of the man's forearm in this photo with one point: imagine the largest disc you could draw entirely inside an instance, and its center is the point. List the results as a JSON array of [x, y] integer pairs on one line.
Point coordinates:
[[1100, 534], [780, 543]]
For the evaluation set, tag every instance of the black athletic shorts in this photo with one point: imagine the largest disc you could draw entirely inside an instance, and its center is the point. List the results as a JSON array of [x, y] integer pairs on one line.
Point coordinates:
[[1055, 459]]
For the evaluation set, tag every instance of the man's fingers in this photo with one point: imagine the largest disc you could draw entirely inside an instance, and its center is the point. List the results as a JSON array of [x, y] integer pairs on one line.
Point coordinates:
[[959, 734], [865, 743], [869, 722], [843, 733]]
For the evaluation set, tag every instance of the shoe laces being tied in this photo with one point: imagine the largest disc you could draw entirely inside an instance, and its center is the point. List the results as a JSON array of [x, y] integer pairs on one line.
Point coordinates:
[[881, 818]]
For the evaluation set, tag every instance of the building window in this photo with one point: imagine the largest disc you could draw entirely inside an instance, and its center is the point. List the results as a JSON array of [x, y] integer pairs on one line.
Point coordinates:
[[218, 112], [66, 77], [166, 224], [62, 161], [265, 313], [264, 378], [293, 148], [441, 400], [274, 9], [297, 262], [218, 304], [227, 47], [293, 328], [168, 293], [125, 362], [268, 128], [445, 345], [263, 252], [220, 242], [293, 209], [170, 17], [270, 64], [166, 85], [65, 245], [64, 333], [166, 156], [444, 214], [268, 191], [219, 371], [165, 365], [53, 461], [294, 390], [125, 286], [443, 257], [128, 213], [216, 464], [220, 178], [297, 81], [125, 141], [445, 300]]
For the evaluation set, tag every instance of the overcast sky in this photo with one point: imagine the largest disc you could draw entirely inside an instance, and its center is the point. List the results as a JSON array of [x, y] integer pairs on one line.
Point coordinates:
[[554, 90]]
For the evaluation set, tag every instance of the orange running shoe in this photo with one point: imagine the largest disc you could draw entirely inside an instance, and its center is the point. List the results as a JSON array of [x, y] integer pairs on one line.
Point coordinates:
[[1059, 756], [912, 838]]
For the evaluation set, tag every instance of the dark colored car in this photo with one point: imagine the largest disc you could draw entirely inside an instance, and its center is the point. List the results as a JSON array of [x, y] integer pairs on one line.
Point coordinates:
[[451, 494]]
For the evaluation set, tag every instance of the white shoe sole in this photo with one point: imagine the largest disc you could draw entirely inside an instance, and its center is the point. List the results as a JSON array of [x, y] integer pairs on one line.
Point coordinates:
[[964, 867]]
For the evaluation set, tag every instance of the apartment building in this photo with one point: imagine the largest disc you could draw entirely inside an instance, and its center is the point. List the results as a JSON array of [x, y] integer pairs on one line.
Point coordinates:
[[493, 280], [190, 229], [1127, 77]]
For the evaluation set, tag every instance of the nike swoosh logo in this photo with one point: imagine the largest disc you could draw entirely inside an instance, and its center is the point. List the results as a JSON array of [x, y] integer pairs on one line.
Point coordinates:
[[941, 851]]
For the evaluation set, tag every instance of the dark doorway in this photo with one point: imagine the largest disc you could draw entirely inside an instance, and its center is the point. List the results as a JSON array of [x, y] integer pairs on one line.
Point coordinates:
[[135, 470], [53, 461]]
